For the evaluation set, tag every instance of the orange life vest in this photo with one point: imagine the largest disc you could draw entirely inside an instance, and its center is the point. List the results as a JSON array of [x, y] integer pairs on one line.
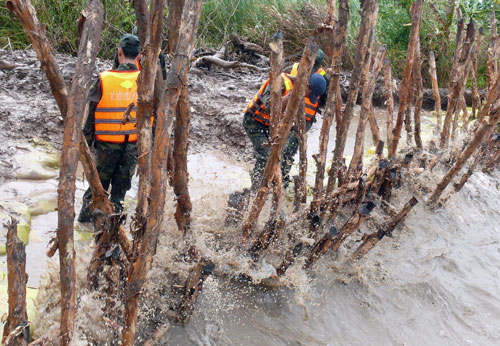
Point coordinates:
[[311, 109], [295, 68], [256, 107], [119, 89]]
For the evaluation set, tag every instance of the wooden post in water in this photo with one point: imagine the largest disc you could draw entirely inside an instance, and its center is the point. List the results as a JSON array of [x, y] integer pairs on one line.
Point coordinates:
[[435, 90], [389, 101], [492, 64], [145, 96], [484, 130], [16, 287], [417, 71], [334, 95], [368, 89], [369, 14], [176, 80], [457, 81], [406, 82]]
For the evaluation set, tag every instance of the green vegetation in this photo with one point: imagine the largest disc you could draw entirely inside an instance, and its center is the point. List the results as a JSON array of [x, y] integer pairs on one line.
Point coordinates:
[[258, 20]]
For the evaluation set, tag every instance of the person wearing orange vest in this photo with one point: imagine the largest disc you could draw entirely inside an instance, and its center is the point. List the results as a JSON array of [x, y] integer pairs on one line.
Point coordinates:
[[257, 119], [318, 61], [115, 141]]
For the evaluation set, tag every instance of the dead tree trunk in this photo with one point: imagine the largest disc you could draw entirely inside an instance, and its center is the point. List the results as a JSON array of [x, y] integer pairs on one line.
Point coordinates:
[[368, 18], [176, 79], [409, 105], [483, 131], [435, 89], [372, 239], [333, 96], [16, 285], [406, 82], [476, 99], [457, 82], [278, 142], [492, 64], [389, 101], [300, 132], [36, 34], [368, 88]]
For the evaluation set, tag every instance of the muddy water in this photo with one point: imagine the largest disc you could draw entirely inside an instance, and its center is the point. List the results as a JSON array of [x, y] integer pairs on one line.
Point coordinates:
[[435, 283]]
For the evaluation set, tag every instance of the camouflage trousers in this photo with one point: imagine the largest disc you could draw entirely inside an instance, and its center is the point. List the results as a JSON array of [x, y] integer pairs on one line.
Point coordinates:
[[259, 135], [115, 165]]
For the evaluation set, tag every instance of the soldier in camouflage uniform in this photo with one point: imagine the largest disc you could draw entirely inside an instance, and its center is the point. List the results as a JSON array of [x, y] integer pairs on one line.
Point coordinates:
[[256, 124], [115, 143]]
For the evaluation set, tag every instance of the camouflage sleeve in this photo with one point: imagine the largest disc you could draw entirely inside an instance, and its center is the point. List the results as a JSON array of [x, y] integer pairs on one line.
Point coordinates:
[[266, 97], [95, 95]]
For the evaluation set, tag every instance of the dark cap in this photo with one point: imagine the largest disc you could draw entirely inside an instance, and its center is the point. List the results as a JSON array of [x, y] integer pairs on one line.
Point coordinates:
[[130, 43], [317, 85], [320, 56]]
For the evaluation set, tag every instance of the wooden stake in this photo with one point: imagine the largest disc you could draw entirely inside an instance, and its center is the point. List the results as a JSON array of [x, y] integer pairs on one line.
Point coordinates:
[[16, 286], [368, 89], [417, 70], [406, 82], [192, 289], [372, 239], [389, 101], [457, 81], [289, 259], [333, 96], [483, 131], [278, 142], [176, 79], [476, 99], [492, 64], [435, 90], [145, 97], [368, 19], [181, 176]]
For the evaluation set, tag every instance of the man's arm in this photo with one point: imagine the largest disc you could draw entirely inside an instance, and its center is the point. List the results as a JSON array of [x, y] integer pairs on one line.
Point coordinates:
[[95, 95]]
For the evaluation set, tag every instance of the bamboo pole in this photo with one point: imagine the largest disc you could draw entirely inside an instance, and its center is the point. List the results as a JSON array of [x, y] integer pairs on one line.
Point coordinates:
[[435, 90], [368, 18], [36, 34], [368, 89], [406, 82], [278, 142], [483, 131], [16, 285], [177, 77], [372, 239], [457, 81], [417, 70], [333, 96]]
